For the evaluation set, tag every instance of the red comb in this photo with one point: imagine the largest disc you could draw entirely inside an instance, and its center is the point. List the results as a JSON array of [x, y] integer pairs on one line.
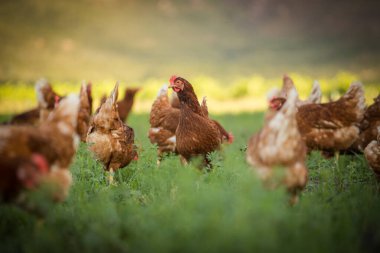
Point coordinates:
[[171, 80]]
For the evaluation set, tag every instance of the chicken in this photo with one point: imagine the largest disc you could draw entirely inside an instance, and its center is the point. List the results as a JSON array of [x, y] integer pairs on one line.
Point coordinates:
[[55, 140], [369, 125], [163, 120], [333, 126], [372, 154], [125, 105], [47, 99], [84, 113], [315, 96], [196, 134], [30, 117], [279, 143], [110, 140]]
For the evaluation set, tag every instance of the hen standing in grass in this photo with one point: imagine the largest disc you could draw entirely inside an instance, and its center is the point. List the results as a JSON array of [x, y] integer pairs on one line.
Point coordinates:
[[125, 105], [196, 134], [109, 138], [279, 143], [55, 140], [164, 120], [329, 127]]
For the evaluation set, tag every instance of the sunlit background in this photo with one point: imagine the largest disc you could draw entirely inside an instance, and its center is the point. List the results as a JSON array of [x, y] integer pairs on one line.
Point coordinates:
[[232, 51]]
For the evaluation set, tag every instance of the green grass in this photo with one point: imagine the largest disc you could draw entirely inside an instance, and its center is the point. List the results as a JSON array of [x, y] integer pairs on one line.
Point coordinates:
[[181, 209]]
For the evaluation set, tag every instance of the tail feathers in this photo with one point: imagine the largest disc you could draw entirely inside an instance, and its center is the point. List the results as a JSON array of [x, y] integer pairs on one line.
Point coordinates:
[[83, 88], [287, 85], [39, 87], [355, 95], [84, 94], [204, 106], [316, 94], [114, 94]]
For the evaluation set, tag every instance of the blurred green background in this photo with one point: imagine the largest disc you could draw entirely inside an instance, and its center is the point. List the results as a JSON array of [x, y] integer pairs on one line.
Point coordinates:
[[134, 40], [231, 50]]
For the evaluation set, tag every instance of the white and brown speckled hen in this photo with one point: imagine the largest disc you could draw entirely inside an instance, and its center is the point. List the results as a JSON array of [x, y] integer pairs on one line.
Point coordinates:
[[279, 143], [111, 141]]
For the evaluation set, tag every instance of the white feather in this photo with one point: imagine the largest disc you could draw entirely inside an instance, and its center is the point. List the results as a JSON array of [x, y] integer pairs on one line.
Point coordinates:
[[172, 139], [40, 84], [163, 91]]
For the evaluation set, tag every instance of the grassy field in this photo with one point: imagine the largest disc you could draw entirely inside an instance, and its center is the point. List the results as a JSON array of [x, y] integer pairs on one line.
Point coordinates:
[[172, 208]]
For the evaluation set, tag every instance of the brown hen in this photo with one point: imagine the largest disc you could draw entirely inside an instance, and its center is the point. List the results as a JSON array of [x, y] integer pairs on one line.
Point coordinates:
[[55, 140], [332, 126], [111, 141], [196, 134], [280, 143]]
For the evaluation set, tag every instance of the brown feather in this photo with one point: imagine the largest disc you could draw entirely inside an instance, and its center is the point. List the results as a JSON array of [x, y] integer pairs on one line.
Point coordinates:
[[111, 141], [279, 143], [196, 134], [56, 140], [333, 126], [84, 113]]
